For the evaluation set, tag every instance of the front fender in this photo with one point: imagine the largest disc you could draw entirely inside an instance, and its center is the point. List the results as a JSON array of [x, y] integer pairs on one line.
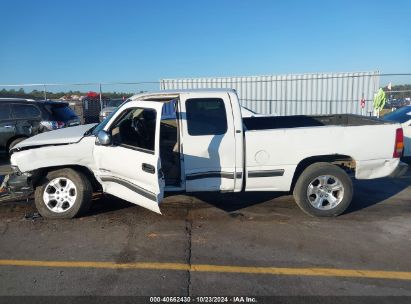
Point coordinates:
[[80, 153]]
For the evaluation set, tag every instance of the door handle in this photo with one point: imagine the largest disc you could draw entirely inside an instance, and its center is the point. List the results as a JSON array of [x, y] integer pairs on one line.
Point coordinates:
[[8, 127], [148, 168]]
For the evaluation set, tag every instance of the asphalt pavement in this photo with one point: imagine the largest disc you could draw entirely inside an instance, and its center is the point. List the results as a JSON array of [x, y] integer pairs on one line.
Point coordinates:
[[213, 244]]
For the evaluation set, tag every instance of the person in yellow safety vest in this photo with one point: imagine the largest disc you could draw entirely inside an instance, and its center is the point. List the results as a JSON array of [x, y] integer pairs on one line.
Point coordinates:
[[379, 101]]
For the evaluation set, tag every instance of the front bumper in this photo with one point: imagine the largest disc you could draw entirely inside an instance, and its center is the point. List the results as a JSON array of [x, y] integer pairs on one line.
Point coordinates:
[[18, 184], [401, 169]]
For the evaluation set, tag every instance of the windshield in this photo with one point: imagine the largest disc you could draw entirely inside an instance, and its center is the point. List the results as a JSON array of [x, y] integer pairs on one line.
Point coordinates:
[[401, 115], [101, 125]]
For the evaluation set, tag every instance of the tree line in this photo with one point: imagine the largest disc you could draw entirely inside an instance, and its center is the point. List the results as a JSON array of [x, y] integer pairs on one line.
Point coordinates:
[[36, 94]]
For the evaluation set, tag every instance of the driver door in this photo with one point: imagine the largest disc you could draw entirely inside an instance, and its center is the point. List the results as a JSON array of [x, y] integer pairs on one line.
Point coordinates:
[[130, 166]]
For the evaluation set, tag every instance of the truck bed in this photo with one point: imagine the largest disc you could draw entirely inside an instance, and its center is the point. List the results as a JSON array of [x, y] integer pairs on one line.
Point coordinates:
[[298, 121]]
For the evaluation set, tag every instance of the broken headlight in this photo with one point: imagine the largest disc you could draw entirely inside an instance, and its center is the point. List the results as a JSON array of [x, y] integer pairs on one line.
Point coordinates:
[[16, 170]]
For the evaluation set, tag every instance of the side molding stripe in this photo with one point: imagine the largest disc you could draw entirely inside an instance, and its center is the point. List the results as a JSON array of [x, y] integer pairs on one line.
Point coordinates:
[[266, 173], [211, 174], [143, 192]]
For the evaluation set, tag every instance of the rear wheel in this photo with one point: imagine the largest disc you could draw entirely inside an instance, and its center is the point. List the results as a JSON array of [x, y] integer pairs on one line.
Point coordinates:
[[63, 193], [323, 189]]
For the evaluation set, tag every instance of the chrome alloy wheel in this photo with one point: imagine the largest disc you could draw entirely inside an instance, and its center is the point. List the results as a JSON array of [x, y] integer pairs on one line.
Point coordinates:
[[325, 192], [60, 194]]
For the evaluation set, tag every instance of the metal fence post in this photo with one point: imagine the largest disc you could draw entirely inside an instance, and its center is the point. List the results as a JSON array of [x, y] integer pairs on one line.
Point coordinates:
[[286, 101], [101, 101], [45, 92]]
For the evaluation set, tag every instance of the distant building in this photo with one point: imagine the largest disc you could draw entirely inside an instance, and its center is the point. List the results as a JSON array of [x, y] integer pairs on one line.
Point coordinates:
[[302, 94]]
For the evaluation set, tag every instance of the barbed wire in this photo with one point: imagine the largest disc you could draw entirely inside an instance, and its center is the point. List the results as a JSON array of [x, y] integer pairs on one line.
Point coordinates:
[[77, 84]]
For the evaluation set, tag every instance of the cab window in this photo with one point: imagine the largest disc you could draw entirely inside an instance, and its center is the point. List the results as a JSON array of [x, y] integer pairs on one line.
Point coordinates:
[[206, 116]]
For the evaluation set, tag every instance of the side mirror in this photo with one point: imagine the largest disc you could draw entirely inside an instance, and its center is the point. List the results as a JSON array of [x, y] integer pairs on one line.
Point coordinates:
[[104, 138]]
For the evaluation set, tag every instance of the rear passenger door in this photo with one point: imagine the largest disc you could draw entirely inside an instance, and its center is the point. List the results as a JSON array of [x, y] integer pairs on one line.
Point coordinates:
[[208, 142], [7, 126]]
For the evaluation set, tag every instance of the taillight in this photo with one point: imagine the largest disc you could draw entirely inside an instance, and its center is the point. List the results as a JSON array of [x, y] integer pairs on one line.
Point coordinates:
[[52, 125], [399, 143]]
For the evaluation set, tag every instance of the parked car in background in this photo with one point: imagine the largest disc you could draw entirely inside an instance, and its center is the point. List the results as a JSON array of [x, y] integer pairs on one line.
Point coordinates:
[[23, 118], [110, 107], [397, 103], [402, 116]]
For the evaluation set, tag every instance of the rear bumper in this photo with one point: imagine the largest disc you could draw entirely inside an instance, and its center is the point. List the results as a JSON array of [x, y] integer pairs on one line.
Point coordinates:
[[377, 168], [401, 169]]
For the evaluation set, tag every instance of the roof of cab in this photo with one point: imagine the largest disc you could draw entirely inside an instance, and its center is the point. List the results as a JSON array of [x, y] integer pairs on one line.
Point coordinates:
[[167, 94]]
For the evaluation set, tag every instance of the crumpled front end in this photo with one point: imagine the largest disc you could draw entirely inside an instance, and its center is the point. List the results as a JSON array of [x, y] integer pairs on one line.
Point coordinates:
[[30, 163], [18, 184]]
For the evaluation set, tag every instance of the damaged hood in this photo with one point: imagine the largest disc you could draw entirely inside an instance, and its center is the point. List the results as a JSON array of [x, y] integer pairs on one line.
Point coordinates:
[[57, 137]]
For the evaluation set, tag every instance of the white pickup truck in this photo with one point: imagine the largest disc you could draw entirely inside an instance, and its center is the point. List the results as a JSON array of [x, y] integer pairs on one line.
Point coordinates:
[[197, 140]]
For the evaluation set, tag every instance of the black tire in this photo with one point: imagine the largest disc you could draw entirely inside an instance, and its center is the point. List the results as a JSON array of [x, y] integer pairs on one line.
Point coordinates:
[[309, 175], [83, 193], [15, 142]]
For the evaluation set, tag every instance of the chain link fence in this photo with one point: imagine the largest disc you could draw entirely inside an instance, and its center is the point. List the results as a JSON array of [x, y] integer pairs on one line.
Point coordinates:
[[302, 94]]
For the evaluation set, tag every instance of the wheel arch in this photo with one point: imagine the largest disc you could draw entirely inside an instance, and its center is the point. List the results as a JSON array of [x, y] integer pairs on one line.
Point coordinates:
[[42, 172], [345, 162]]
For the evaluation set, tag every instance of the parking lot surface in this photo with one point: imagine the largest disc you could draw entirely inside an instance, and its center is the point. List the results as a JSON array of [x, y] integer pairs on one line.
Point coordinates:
[[213, 244]]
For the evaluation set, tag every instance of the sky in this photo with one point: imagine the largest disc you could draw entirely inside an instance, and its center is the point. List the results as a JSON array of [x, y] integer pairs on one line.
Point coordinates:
[[70, 41]]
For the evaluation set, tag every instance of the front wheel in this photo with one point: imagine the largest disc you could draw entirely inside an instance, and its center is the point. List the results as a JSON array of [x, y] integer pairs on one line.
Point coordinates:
[[63, 193], [323, 189]]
